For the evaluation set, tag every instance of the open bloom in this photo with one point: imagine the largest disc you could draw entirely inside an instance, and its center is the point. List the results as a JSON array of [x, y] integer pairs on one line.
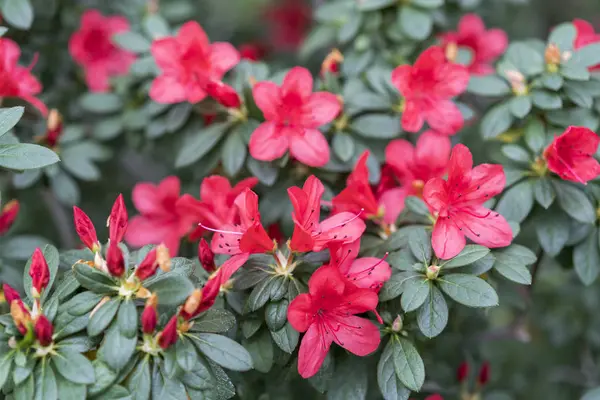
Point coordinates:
[[327, 314], [16, 80], [92, 48], [365, 272], [309, 233], [8, 215], [293, 113], [585, 35], [571, 155], [485, 45], [458, 205], [162, 219], [413, 166], [189, 62], [428, 87], [215, 207]]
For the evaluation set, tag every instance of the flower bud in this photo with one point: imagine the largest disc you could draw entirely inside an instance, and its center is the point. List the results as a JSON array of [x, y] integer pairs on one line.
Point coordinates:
[[8, 215], [163, 257], [168, 336], [114, 260], [397, 324], [148, 266], [43, 330], [192, 304], [54, 128], [117, 221], [149, 315], [452, 51], [252, 52], [10, 294], [20, 315], [206, 256], [462, 372], [224, 94], [517, 82], [85, 229], [331, 63], [484, 374], [39, 272], [432, 272], [552, 54]]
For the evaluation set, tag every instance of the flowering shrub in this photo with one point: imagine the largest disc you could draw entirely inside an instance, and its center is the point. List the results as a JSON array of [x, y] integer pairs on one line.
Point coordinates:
[[407, 210]]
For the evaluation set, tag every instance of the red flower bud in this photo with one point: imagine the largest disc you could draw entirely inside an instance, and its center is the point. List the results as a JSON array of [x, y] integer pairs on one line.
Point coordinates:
[[209, 118], [8, 215], [434, 397], [484, 374], [85, 229], [149, 316], [206, 256], [114, 259], [252, 51], [332, 63], [191, 307], [10, 294], [148, 266], [54, 128], [462, 371], [20, 315], [117, 221], [224, 94], [43, 330], [168, 336], [39, 272]]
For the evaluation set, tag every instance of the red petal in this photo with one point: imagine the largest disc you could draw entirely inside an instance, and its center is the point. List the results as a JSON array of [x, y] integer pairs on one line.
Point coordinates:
[[301, 312], [447, 239], [313, 350], [85, 228], [268, 142], [117, 221], [39, 272], [485, 227], [309, 147], [297, 80]]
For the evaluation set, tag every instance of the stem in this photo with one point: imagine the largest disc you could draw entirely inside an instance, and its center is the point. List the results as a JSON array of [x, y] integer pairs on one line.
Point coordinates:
[[61, 219]]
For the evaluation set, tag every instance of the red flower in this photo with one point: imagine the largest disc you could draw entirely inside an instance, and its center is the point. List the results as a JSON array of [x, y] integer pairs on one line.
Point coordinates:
[[585, 35], [484, 374], [252, 51], [149, 316], [414, 166], [312, 235], [162, 219], [326, 314], [288, 22], [206, 256], [434, 397], [39, 273], [168, 336], [365, 272], [462, 372], [223, 94], [485, 45], [92, 48], [114, 259], [215, 207], [293, 113], [85, 229], [117, 220], [148, 266], [188, 63], [8, 215], [10, 294], [458, 205], [571, 155], [17, 81], [43, 330], [428, 87], [249, 236]]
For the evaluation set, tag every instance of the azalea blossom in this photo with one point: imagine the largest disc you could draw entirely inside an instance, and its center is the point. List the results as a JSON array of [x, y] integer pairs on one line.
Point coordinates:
[[457, 203], [288, 21], [327, 314], [18, 81], [188, 63], [92, 48], [293, 113], [428, 87], [485, 45], [585, 35], [571, 155], [310, 234], [413, 166], [365, 272], [216, 205], [162, 219]]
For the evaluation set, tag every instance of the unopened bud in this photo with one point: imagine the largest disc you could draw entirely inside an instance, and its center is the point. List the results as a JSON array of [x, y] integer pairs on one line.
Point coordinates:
[[163, 258], [85, 229], [552, 54], [117, 220], [223, 94], [331, 63], [193, 302], [10, 294], [20, 315], [143, 293], [39, 273], [114, 260], [148, 266], [43, 330], [462, 372], [206, 256], [517, 82], [168, 336], [54, 127], [8, 215], [149, 315], [397, 324], [484, 374], [432, 272]]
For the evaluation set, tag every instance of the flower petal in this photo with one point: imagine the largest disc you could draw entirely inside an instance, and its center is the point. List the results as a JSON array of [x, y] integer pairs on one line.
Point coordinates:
[[166, 53], [268, 142], [461, 162], [300, 313], [310, 147], [297, 80], [344, 227], [400, 155], [413, 116], [313, 350], [326, 281], [471, 25], [393, 203], [166, 89], [401, 79], [223, 57], [320, 109], [445, 117], [435, 194], [267, 96], [360, 341], [369, 273], [485, 227], [447, 239]]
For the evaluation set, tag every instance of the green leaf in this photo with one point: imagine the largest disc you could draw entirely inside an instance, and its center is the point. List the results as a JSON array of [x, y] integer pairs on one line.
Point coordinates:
[[416, 23], [224, 351], [117, 349], [593, 394], [468, 290], [186, 354], [370, 5], [276, 314], [520, 106], [574, 202], [214, 320], [45, 382], [286, 338], [52, 259], [535, 135], [250, 326], [513, 271], [432, 317], [94, 279], [65, 188], [26, 390], [515, 253], [517, 202], [101, 103], [408, 364], [139, 382], [118, 392], [563, 36], [394, 287], [320, 37], [171, 289], [350, 28], [575, 72], [586, 259], [103, 317], [414, 294], [320, 381], [22, 372], [104, 378], [489, 85], [24, 156], [585, 57], [259, 295], [74, 367], [132, 41], [265, 172], [578, 93], [428, 3], [470, 254], [544, 192], [6, 362], [552, 81], [343, 146], [155, 26], [260, 348], [9, 118], [18, 13], [546, 100], [516, 153], [197, 145], [420, 244], [127, 318], [416, 205], [108, 128], [390, 386], [177, 116], [379, 126], [552, 230], [68, 390], [233, 154], [525, 58], [349, 380], [496, 121]]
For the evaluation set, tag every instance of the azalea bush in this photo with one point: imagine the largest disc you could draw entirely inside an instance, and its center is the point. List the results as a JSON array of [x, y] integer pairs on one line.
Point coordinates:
[[342, 199]]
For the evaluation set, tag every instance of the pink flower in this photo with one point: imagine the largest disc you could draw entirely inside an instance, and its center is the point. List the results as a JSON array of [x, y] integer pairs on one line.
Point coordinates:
[[288, 22], [15, 80], [428, 87], [365, 272], [327, 315], [571, 155], [293, 113], [458, 205], [92, 48], [485, 45], [189, 62], [414, 166], [585, 35], [162, 219]]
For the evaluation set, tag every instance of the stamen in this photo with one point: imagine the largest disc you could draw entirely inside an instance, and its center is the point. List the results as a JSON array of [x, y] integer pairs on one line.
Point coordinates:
[[219, 230], [350, 220]]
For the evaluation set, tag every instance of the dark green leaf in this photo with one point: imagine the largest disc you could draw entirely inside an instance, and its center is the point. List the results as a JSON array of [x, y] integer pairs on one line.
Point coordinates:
[[139, 382], [578, 93], [68, 390], [526, 59], [343, 146], [390, 386], [489, 85], [233, 153], [22, 372], [552, 81], [260, 348], [214, 320], [94, 279], [104, 378], [276, 314], [171, 289], [117, 349], [517, 202], [546, 100], [101, 103], [127, 318], [26, 156], [520, 106], [416, 205], [496, 121], [74, 367], [408, 364], [18, 13], [414, 294], [395, 285], [45, 382], [574, 202], [259, 295], [65, 188], [552, 230], [286, 338], [177, 116], [586, 259], [118, 392], [264, 171], [468, 290], [320, 381], [9, 118], [223, 351], [379, 126], [200, 143], [470, 254], [26, 390], [432, 317], [535, 135], [370, 5], [420, 244], [103, 317], [6, 362], [544, 192], [186, 354], [416, 23], [349, 381], [516, 153]]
